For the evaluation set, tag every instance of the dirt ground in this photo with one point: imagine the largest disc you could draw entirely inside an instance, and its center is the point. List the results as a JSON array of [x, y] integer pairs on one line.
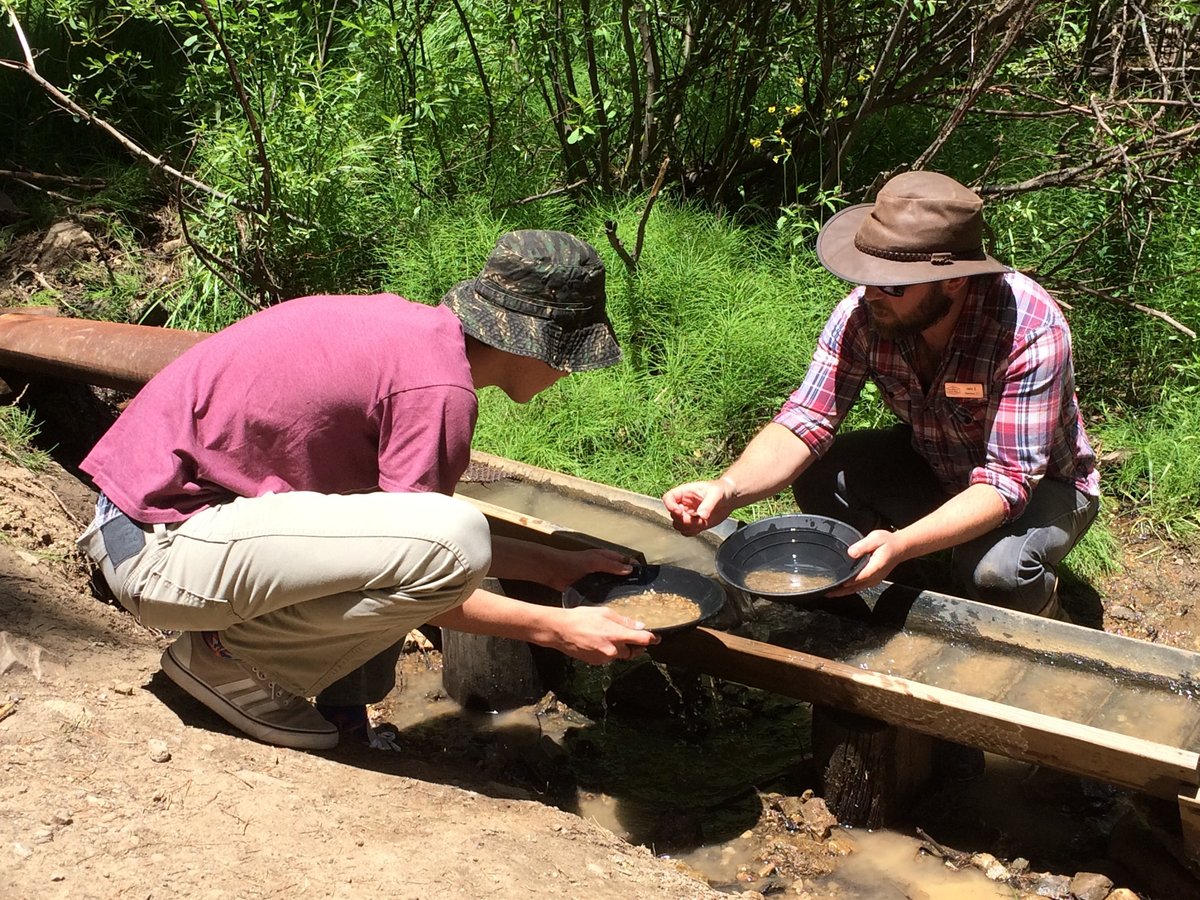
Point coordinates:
[[117, 785]]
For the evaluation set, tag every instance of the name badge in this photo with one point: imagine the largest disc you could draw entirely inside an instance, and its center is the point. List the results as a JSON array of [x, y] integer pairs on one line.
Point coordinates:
[[960, 389]]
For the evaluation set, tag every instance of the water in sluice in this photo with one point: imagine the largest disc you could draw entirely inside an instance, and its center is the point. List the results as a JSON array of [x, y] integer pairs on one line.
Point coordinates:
[[638, 530], [1061, 685]]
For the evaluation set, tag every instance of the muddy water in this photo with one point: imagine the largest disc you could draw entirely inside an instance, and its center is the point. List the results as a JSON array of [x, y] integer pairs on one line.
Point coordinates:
[[1050, 685], [636, 529], [780, 581], [692, 797], [656, 609]]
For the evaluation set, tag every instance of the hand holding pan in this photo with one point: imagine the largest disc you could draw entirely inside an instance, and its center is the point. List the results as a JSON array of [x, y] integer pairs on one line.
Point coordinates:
[[665, 598]]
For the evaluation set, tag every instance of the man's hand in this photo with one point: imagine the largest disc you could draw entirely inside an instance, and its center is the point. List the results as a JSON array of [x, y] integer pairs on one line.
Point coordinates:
[[884, 551], [592, 634], [574, 564], [699, 505], [966, 515], [596, 635]]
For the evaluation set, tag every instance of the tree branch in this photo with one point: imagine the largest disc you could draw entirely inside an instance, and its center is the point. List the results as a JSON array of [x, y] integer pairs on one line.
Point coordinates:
[[63, 101]]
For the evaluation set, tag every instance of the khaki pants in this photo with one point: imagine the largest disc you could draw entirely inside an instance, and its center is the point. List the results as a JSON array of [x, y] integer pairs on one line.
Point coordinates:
[[305, 586]]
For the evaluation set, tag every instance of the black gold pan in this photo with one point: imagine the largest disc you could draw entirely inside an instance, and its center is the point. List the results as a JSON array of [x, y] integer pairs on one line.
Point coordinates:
[[599, 589], [789, 557]]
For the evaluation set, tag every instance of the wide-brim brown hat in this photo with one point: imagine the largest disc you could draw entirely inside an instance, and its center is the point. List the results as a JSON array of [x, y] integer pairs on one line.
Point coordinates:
[[922, 227], [540, 294]]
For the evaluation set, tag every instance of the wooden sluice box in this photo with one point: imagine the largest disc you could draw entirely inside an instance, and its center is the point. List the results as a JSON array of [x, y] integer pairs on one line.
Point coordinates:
[[1075, 699]]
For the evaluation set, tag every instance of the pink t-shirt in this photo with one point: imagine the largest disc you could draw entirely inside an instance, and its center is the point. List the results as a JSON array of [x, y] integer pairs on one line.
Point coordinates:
[[331, 394]]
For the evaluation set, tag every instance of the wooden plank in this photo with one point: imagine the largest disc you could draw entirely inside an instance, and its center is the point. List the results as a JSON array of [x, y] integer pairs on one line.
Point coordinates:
[[1132, 762], [1068, 746], [596, 492], [110, 354]]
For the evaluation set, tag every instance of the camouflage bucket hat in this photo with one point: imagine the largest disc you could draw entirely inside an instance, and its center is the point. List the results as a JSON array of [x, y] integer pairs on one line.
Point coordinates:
[[540, 294]]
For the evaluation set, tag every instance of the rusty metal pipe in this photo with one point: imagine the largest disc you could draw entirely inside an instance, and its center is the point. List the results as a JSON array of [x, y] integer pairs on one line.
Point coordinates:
[[108, 354]]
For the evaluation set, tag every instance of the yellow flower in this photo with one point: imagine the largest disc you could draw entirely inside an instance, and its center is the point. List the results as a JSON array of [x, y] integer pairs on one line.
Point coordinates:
[[770, 109], [755, 142], [800, 82], [794, 109], [844, 102]]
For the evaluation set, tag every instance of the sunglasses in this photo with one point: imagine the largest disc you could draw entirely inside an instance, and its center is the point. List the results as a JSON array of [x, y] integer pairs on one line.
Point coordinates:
[[893, 290]]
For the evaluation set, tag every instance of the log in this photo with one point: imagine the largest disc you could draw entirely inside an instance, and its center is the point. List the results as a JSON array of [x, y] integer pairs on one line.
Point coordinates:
[[489, 673], [870, 771]]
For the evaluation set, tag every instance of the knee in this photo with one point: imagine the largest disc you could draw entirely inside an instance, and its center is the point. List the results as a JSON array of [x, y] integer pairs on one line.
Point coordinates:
[[997, 579], [466, 533]]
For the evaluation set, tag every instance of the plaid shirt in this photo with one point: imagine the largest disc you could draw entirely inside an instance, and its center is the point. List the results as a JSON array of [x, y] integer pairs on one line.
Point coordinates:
[[1011, 348]]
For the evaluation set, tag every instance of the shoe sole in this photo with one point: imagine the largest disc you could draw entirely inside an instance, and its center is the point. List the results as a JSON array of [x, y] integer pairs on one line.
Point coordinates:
[[269, 734]]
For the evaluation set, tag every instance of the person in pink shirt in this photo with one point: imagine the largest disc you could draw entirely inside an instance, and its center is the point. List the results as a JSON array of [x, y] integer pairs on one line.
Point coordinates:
[[989, 458], [282, 492]]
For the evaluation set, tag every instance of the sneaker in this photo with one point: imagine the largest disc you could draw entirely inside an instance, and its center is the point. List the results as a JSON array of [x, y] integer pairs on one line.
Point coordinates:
[[246, 697]]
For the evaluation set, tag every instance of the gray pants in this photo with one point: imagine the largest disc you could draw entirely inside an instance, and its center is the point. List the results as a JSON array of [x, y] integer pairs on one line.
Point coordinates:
[[306, 586], [874, 479]]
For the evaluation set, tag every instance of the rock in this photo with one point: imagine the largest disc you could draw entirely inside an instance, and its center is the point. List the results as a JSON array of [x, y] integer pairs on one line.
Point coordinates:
[[1122, 894], [9, 211], [65, 243], [1090, 886], [818, 820], [20, 655], [982, 860], [1123, 614], [158, 751], [1057, 887], [997, 871]]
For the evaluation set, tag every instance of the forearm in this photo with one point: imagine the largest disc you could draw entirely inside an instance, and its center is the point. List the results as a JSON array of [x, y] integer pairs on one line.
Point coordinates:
[[523, 560], [967, 515], [485, 612], [770, 463]]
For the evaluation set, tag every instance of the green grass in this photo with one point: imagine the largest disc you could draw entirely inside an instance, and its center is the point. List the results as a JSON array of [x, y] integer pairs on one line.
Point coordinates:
[[1155, 475], [18, 431]]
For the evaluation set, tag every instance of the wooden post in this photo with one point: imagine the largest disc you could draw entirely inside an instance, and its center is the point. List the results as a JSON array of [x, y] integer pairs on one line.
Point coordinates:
[[1189, 820], [871, 771], [489, 673]]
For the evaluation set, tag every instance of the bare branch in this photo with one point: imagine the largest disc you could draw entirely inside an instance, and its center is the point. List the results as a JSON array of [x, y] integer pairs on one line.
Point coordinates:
[[70, 180], [553, 192], [610, 231], [641, 232], [1015, 27], [1156, 313]]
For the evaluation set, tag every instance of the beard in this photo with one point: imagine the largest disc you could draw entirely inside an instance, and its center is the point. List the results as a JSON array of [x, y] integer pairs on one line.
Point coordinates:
[[932, 309]]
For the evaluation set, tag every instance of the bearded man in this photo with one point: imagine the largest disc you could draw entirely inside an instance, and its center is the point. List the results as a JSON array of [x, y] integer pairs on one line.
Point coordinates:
[[989, 458]]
